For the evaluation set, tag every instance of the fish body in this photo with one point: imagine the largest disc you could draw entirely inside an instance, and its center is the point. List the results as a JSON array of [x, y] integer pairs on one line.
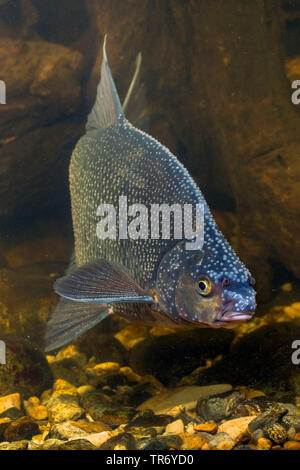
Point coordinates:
[[154, 280]]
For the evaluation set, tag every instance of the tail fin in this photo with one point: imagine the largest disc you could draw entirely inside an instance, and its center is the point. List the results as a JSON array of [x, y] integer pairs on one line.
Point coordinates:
[[71, 319], [107, 108]]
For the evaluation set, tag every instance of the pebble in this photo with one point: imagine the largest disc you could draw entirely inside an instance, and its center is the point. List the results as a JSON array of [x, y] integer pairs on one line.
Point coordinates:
[[124, 441], [236, 428], [292, 445], [276, 432], [291, 421], [210, 427], [19, 445], [220, 406], [10, 401], [185, 395], [37, 412], [269, 417], [264, 444], [221, 441], [193, 442], [176, 427], [4, 423], [22, 428]]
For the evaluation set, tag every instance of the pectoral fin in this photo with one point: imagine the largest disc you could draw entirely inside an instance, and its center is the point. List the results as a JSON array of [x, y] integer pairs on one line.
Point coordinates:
[[71, 319], [100, 282]]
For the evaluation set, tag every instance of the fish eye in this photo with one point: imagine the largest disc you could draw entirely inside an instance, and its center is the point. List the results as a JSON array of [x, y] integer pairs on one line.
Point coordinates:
[[204, 286]]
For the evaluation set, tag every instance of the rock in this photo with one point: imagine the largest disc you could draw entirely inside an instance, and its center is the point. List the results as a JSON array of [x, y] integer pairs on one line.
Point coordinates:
[[44, 70], [267, 418], [185, 395], [219, 406], [130, 375], [12, 413], [210, 427], [10, 401], [63, 405], [147, 419], [21, 429], [85, 389], [176, 427], [156, 355], [77, 444], [91, 427], [291, 421], [100, 408], [292, 445], [64, 431], [255, 406], [268, 345], [194, 442], [102, 347], [237, 428], [276, 432], [123, 441], [4, 423], [256, 435], [19, 445], [264, 444], [68, 369], [52, 444], [96, 439], [221, 441], [26, 370], [37, 412], [65, 409], [131, 335], [151, 444]]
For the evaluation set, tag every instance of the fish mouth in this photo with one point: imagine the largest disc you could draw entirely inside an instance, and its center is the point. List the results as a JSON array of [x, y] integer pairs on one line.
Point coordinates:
[[228, 314]]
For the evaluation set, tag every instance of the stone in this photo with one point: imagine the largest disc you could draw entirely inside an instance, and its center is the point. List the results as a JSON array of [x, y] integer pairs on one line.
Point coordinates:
[[292, 445], [26, 370], [237, 428], [269, 417], [194, 442], [19, 445], [157, 354], [264, 444], [210, 427], [219, 406], [10, 401], [123, 441], [77, 444], [290, 420], [63, 405], [37, 412], [4, 423], [221, 441], [100, 408], [175, 427], [276, 432], [21, 429], [96, 439], [185, 395], [131, 335]]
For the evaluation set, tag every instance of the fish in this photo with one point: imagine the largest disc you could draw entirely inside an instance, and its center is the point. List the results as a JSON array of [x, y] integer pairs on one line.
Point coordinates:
[[155, 281]]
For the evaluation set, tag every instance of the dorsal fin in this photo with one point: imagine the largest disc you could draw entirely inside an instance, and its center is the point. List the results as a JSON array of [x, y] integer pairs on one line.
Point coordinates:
[[107, 108]]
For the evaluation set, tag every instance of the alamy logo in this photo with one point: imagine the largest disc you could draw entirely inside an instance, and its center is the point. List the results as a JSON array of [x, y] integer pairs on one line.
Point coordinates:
[[2, 352], [2, 92], [136, 221], [296, 94], [296, 354]]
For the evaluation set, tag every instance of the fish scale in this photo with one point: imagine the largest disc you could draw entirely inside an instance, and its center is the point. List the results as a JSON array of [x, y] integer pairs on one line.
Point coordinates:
[[154, 281]]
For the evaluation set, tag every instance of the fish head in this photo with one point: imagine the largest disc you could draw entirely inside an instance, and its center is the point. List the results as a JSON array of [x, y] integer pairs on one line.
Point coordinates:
[[207, 291]]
